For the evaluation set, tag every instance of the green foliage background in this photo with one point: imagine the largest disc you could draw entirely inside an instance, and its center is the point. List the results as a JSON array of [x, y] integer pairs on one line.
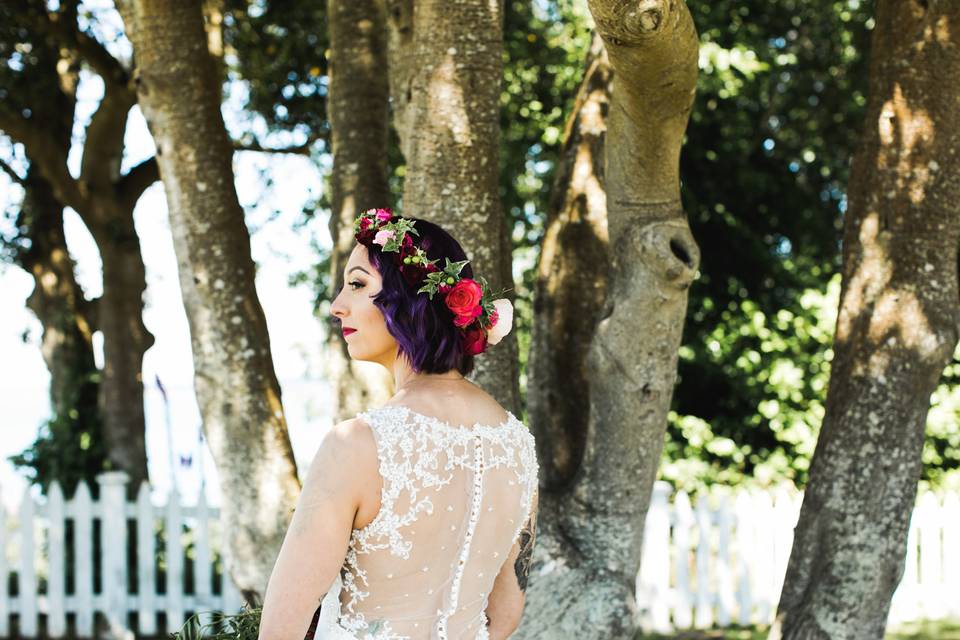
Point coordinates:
[[778, 115]]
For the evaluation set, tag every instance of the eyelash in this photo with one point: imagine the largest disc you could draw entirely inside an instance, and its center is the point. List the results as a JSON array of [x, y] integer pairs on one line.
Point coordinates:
[[353, 282]]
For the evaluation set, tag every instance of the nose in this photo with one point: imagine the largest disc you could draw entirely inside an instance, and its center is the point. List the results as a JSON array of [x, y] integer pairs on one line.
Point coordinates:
[[337, 308]]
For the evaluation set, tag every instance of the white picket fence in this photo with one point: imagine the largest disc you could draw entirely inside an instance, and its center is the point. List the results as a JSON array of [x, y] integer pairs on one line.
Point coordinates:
[[719, 562], [36, 542], [723, 560]]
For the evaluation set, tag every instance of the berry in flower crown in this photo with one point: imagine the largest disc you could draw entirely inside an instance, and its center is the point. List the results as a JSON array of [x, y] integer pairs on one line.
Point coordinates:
[[482, 319]]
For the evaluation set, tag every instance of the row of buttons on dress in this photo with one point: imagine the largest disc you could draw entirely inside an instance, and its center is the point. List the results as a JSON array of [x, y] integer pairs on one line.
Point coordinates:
[[474, 514]]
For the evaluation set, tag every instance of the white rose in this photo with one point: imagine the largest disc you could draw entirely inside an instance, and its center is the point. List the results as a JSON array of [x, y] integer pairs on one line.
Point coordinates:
[[504, 321]]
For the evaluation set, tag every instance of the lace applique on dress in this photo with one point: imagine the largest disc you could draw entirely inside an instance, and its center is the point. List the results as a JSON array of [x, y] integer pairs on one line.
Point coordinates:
[[410, 449]]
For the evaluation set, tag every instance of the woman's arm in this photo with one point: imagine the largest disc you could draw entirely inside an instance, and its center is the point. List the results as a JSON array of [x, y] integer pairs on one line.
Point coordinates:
[[506, 600], [316, 541]]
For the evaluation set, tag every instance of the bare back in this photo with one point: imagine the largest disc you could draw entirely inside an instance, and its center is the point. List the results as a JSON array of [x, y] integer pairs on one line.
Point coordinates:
[[457, 403]]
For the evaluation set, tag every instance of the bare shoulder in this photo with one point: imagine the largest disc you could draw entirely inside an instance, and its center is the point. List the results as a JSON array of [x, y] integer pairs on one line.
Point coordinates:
[[491, 411], [349, 444], [488, 406], [344, 469], [353, 430], [355, 435]]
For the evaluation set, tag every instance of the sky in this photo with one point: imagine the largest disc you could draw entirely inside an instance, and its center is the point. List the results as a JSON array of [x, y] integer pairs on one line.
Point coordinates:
[[279, 250]]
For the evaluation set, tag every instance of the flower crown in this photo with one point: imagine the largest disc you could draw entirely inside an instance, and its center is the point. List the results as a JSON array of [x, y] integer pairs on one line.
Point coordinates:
[[482, 319]]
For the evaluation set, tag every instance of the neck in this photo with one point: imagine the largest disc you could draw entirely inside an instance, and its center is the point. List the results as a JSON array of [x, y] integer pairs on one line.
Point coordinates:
[[404, 376]]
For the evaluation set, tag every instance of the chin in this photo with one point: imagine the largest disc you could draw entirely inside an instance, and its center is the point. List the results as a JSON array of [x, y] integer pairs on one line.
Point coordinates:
[[354, 352], [358, 353]]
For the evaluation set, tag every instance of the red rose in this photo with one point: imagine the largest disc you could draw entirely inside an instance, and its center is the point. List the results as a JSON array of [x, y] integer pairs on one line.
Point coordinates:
[[463, 321], [474, 341], [464, 301]]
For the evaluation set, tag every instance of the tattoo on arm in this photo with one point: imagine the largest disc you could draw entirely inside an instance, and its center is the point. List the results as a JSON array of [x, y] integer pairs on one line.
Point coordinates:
[[527, 537]]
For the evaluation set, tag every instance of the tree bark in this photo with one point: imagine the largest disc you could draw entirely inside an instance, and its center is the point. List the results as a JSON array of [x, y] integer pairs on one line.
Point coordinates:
[[235, 383], [125, 338], [400, 61], [583, 581], [357, 107], [571, 282], [897, 329], [445, 75], [58, 303], [57, 299]]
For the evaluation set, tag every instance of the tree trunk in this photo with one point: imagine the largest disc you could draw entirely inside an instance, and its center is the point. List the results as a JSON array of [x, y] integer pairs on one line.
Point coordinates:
[[571, 282], [896, 330], [357, 107], [125, 340], [446, 69], [57, 301], [235, 383], [401, 64], [583, 581], [213, 14], [108, 215]]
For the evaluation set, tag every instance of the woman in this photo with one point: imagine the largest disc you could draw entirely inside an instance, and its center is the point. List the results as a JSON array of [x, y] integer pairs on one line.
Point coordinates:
[[412, 524]]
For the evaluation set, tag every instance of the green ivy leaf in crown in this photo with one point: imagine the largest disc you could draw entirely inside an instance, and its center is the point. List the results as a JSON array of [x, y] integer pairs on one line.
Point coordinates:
[[401, 227], [449, 275]]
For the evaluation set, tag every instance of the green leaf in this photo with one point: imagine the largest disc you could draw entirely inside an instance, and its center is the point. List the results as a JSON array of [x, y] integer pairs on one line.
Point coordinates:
[[454, 268]]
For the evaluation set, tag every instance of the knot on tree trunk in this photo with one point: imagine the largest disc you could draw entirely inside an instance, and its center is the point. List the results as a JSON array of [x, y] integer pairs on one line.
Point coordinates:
[[648, 15], [668, 249], [631, 22]]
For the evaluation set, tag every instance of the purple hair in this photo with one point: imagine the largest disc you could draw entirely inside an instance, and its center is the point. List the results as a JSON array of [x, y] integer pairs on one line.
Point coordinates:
[[423, 328]]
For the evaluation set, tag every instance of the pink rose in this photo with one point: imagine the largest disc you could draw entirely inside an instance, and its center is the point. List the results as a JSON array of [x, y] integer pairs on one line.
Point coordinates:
[[383, 236], [384, 215]]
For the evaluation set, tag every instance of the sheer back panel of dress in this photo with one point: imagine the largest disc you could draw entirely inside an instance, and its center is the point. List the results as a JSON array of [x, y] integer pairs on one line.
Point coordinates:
[[453, 501]]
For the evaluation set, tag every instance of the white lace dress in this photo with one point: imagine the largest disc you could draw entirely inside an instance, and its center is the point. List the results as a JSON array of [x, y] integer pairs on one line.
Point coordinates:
[[453, 502]]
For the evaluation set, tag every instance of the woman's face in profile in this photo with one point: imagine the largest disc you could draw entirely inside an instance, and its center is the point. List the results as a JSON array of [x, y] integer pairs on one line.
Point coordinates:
[[353, 306]]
